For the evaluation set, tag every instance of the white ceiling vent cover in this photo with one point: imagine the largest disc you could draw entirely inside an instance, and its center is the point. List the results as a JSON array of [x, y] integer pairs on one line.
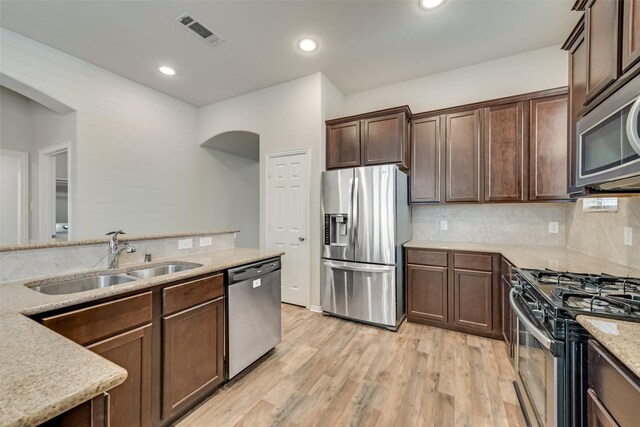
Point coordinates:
[[198, 28]]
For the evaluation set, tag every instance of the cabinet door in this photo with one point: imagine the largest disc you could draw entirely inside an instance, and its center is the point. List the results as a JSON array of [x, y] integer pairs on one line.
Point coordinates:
[[504, 152], [630, 33], [343, 145], [472, 306], [601, 24], [597, 414], [130, 402], [384, 140], [463, 145], [577, 97], [426, 160], [427, 292], [193, 354], [548, 148]]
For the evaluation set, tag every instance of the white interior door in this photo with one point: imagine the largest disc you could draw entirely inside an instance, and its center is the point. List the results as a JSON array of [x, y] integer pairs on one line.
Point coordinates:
[[287, 221]]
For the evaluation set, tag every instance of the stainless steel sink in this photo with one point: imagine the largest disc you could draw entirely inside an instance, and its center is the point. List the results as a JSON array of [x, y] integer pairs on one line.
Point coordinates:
[[146, 273], [84, 284]]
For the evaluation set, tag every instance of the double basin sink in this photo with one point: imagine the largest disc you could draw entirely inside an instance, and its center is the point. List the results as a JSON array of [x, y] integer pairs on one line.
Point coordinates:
[[100, 281]]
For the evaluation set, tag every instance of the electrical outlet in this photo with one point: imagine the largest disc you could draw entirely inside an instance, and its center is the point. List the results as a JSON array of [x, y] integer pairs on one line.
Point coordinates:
[[554, 227], [185, 243], [628, 236], [444, 225], [205, 241]]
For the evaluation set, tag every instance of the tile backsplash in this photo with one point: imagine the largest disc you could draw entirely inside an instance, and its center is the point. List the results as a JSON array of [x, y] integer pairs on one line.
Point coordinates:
[[602, 234], [523, 224], [27, 263]]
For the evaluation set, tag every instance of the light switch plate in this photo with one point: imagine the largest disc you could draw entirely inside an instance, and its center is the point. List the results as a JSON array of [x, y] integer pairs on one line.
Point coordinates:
[[205, 241], [554, 227], [444, 225], [628, 236], [185, 243]]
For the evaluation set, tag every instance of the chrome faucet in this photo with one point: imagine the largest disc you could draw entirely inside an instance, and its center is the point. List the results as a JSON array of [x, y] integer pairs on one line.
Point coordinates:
[[114, 249]]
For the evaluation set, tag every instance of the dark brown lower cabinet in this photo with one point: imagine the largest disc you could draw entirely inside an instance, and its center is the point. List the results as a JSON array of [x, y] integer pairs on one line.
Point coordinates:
[[613, 398], [472, 299], [454, 290], [193, 354], [92, 413], [170, 340], [130, 402], [428, 290], [597, 414]]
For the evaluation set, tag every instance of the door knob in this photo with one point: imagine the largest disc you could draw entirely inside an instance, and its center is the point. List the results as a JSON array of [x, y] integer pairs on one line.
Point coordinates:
[[301, 238]]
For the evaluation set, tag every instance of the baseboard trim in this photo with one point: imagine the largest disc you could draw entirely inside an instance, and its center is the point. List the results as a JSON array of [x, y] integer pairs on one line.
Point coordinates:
[[315, 308]]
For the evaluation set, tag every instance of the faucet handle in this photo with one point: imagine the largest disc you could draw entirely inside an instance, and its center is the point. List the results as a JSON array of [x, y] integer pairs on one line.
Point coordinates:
[[115, 233]]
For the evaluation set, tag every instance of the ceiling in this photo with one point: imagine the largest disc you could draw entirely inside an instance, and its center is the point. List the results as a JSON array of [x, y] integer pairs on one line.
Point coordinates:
[[363, 44]]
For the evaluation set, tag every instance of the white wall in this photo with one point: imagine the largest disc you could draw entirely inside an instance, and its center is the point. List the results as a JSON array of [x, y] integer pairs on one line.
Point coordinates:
[[15, 121], [527, 72], [237, 190], [136, 166], [28, 126], [286, 116]]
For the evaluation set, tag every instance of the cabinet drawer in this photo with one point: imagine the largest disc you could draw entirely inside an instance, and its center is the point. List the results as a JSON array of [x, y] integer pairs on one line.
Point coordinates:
[[184, 295], [435, 258], [90, 324], [617, 389], [473, 262]]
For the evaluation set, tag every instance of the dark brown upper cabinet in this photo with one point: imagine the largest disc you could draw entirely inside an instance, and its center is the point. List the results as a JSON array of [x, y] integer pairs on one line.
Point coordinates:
[[601, 29], [482, 152], [343, 145], [385, 139], [376, 138], [548, 148], [504, 152], [463, 149], [630, 33], [426, 160]]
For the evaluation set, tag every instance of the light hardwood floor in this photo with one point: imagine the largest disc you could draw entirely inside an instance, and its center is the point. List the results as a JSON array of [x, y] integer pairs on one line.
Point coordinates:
[[331, 372]]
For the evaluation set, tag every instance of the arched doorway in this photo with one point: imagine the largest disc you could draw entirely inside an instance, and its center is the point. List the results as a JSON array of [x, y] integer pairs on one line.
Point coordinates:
[[236, 158]]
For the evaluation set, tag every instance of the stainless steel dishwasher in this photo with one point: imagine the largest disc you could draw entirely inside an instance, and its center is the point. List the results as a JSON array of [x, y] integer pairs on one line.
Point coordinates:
[[254, 312]]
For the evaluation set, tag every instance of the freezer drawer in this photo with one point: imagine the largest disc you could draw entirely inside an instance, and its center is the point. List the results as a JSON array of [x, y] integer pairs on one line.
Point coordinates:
[[364, 292]]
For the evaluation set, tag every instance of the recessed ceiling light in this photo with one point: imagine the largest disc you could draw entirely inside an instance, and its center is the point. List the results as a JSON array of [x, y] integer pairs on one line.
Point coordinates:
[[167, 71], [430, 4], [307, 45]]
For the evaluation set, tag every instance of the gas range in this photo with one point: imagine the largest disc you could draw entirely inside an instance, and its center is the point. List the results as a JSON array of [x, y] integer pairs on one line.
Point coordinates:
[[551, 346], [569, 294]]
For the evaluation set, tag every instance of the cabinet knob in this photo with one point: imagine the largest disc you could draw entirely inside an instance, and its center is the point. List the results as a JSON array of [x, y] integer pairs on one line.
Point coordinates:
[[301, 238]]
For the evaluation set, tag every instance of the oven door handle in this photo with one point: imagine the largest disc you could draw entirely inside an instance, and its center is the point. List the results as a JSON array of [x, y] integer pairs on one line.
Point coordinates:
[[538, 334]]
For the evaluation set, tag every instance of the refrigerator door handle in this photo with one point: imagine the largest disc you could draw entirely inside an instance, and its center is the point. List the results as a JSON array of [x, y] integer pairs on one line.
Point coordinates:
[[366, 268], [354, 213]]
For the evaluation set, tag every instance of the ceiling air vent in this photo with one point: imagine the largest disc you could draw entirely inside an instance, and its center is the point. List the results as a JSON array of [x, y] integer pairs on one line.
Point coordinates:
[[202, 31]]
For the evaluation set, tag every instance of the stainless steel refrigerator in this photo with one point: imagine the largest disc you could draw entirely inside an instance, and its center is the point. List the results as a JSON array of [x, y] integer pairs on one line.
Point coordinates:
[[366, 222]]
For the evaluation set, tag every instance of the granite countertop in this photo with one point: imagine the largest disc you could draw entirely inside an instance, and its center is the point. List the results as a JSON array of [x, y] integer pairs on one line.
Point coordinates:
[[539, 257], [621, 338], [99, 240], [43, 374]]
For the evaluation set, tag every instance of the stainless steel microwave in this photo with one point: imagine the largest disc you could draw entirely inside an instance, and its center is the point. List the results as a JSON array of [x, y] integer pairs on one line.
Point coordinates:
[[608, 142]]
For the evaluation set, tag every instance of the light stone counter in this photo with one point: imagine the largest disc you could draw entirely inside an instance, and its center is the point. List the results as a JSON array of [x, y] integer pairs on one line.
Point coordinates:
[[539, 257], [42, 374], [622, 339]]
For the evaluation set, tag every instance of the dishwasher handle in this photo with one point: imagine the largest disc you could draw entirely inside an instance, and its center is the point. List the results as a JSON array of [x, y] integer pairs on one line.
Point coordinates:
[[252, 271]]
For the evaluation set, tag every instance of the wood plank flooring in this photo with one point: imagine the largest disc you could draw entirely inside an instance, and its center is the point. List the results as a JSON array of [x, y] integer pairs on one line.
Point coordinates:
[[331, 372]]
